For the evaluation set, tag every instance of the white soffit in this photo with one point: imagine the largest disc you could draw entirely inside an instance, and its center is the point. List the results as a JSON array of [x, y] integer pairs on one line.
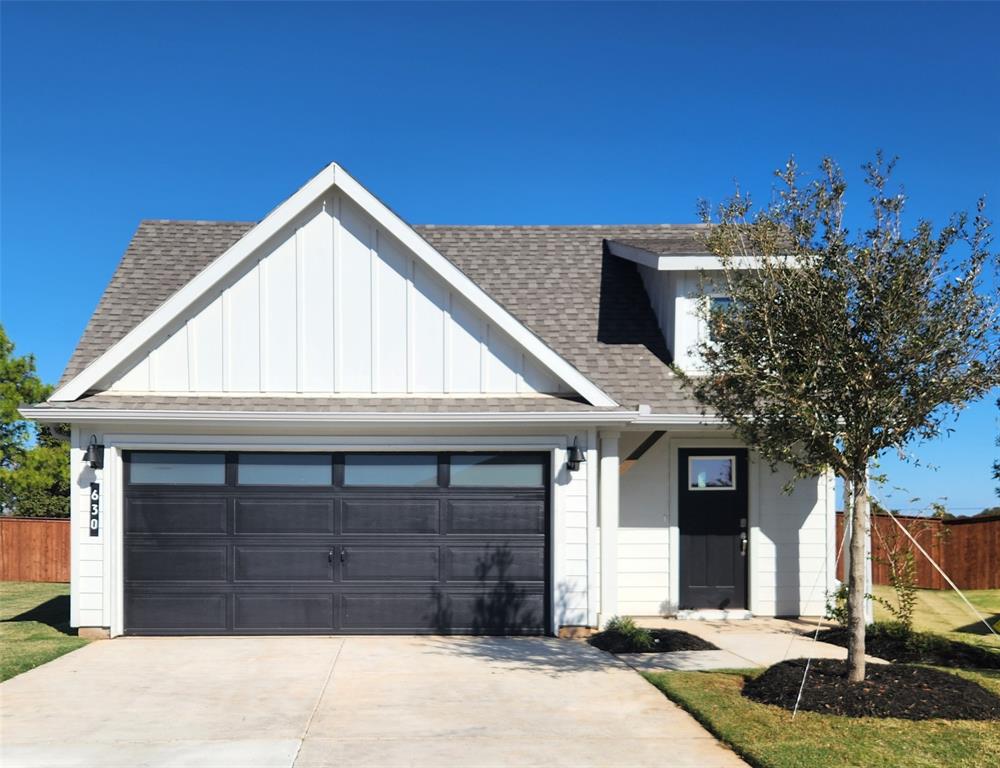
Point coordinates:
[[680, 262], [125, 351]]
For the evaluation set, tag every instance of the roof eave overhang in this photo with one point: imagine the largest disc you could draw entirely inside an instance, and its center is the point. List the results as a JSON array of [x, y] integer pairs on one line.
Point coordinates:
[[78, 415], [675, 262]]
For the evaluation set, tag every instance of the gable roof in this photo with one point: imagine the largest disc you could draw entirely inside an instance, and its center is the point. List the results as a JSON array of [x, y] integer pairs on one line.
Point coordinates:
[[559, 281], [332, 183]]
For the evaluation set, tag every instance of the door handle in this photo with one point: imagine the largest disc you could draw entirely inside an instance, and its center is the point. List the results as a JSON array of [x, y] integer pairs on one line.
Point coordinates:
[[329, 556], [343, 554], [743, 545]]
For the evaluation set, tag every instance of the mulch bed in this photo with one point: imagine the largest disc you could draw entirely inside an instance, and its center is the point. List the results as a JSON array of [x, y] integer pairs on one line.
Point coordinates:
[[889, 690], [894, 643], [664, 641]]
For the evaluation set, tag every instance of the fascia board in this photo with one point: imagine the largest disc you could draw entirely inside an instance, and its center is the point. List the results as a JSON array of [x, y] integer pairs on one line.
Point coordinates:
[[107, 415]]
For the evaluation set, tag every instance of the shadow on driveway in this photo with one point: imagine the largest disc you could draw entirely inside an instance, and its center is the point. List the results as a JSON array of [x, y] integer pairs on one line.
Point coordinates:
[[548, 656]]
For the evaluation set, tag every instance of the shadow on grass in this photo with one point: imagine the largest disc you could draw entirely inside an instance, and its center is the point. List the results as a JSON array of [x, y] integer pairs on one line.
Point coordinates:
[[977, 627], [53, 612]]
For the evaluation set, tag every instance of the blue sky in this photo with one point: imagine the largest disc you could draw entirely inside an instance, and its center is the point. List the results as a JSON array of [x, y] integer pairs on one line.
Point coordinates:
[[473, 113]]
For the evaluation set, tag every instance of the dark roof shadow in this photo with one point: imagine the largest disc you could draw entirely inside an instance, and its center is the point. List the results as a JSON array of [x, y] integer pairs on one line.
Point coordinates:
[[625, 315], [54, 612]]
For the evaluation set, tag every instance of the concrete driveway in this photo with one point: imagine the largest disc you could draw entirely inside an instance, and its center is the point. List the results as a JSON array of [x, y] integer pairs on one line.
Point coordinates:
[[320, 701]]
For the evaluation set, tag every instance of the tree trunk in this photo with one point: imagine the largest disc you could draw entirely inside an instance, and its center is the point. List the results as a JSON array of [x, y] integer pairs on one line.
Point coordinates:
[[856, 580]]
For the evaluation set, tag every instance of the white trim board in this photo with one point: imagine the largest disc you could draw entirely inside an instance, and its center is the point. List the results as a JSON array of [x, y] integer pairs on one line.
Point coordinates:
[[127, 350]]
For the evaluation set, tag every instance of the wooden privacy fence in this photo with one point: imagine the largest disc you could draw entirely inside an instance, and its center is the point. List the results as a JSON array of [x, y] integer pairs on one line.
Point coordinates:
[[968, 550], [34, 549]]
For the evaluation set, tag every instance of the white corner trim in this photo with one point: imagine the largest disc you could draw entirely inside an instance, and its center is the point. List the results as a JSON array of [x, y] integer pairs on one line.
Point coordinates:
[[331, 176]]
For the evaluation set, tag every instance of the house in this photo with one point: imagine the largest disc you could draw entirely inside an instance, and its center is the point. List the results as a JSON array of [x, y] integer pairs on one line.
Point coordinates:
[[331, 421]]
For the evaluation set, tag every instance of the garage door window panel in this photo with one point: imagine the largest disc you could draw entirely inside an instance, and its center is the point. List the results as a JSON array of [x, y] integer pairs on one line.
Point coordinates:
[[390, 470], [495, 470], [284, 469], [164, 468]]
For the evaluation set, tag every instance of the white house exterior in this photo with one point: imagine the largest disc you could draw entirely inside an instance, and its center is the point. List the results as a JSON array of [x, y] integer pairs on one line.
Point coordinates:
[[332, 422]]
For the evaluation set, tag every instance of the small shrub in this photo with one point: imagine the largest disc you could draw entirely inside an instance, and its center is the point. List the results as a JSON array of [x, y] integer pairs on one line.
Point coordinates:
[[836, 605], [903, 580], [640, 639]]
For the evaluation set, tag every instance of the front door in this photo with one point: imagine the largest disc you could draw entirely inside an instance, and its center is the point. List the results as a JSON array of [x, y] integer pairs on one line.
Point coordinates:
[[712, 516]]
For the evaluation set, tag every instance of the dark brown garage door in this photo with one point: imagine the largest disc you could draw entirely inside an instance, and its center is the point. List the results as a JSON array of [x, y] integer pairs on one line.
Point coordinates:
[[286, 543]]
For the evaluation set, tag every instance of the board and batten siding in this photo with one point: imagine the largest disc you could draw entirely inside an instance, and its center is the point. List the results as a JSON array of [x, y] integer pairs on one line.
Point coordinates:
[[337, 305], [673, 296]]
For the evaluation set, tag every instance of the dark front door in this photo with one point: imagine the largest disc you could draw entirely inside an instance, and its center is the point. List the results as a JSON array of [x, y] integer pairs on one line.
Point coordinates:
[[712, 515], [284, 543]]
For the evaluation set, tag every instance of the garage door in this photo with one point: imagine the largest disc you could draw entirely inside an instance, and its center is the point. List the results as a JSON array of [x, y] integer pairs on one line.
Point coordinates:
[[280, 543]]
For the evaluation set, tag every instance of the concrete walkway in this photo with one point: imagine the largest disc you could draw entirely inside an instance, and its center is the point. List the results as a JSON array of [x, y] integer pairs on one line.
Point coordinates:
[[312, 702], [742, 644]]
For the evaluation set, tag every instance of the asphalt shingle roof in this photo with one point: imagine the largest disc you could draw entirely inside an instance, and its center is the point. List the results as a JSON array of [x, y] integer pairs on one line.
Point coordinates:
[[674, 241], [559, 281]]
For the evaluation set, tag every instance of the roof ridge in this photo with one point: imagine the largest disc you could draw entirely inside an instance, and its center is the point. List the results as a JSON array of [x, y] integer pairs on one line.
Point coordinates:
[[544, 227], [198, 221], [540, 227]]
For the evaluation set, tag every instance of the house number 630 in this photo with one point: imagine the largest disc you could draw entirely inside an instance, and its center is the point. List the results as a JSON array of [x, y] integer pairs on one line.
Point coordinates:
[[95, 508]]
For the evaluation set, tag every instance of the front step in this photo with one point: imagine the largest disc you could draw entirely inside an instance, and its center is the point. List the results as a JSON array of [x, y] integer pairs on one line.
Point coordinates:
[[707, 614]]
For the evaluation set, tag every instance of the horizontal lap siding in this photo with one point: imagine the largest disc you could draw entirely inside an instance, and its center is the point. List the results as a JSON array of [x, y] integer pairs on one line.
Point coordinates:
[[644, 537], [791, 542], [571, 588], [34, 549], [644, 571]]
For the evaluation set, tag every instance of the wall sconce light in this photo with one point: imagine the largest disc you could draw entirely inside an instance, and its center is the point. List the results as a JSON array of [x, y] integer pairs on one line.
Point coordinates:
[[95, 454], [574, 456]]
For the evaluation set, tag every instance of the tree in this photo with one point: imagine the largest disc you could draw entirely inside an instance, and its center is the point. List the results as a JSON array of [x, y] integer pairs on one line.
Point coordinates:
[[840, 345], [34, 465], [18, 385]]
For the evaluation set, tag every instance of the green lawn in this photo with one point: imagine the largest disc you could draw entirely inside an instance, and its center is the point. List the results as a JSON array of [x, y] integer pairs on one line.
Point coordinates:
[[942, 611], [34, 625], [768, 737]]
